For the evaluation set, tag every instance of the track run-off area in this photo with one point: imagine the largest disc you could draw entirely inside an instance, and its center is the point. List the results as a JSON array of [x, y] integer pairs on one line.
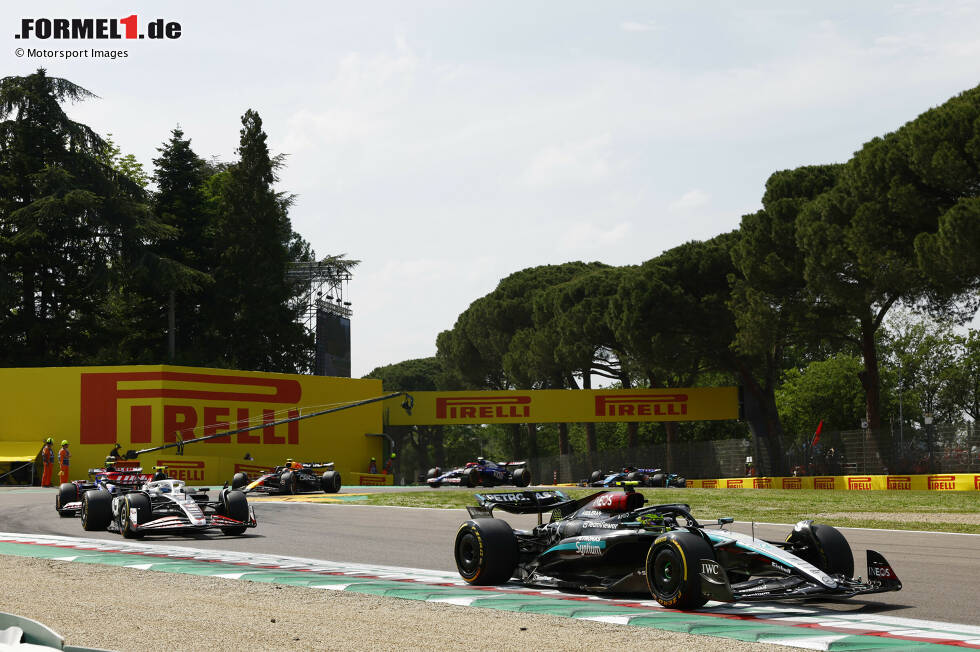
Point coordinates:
[[407, 553]]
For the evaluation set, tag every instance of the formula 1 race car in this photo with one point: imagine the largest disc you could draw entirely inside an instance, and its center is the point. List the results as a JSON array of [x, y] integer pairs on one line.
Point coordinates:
[[68, 501], [292, 478], [481, 472], [610, 543], [166, 506], [646, 478]]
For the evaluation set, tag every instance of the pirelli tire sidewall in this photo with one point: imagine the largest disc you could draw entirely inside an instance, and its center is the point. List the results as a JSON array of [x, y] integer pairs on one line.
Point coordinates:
[[672, 570], [486, 551]]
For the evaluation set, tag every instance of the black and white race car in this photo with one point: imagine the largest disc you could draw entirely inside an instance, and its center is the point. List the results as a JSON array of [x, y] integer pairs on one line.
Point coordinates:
[[68, 500], [610, 542], [292, 478], [482, 472], [646, 477], [166, 506]]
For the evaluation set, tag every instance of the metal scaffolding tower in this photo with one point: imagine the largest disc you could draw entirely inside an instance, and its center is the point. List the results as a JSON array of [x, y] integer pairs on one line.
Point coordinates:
[[325, 289]]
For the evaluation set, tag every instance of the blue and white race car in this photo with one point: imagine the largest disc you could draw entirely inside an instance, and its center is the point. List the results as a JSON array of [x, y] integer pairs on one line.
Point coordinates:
[[483, 473], [645, 478]]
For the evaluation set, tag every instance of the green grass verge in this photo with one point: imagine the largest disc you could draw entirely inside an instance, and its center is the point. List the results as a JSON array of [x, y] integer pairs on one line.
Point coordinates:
[[872, 509]]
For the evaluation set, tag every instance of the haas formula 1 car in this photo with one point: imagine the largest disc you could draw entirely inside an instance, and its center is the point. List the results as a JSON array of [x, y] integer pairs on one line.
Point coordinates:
[[646, 478], [292, 478], [610, 542], [166, 506], [482, 472], [68, 501]]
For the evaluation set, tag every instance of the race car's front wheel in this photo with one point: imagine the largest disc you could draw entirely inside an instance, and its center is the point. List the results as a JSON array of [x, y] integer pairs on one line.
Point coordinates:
[[96, 510], [486, 551], [330, 482], [471, 477], [136, 506], [595, 477], [235, 506], [434, 472], [522, 477], [239, 480], [67, 493], [658, 480], [288, 483], [672, 570], [636, 476]]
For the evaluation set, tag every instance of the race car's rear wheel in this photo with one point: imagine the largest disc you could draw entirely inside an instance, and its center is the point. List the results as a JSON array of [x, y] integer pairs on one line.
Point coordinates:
[[658, 480], [140, 503], [636, 476], [330, 482], [96, 510], [522, 477], [672, 570], [235, 506], [288, 483], [239, 480], [486, 551], [830, 552], [67, 493], [595, 477]]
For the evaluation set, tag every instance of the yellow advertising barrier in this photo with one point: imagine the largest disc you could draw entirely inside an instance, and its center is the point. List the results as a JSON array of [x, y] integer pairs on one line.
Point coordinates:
[[571, 406], [936, 482], [146, 406]]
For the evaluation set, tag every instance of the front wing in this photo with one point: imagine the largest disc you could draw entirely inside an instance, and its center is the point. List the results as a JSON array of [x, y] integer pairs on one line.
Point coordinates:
[[181, 522], [716, 585]]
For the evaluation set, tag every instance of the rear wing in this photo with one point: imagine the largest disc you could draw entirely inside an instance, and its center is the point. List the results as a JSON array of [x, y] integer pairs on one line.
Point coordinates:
[[509, 464]]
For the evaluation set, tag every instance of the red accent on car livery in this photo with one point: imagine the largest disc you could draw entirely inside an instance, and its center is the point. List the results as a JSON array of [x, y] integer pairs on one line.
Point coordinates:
[[472, 407], [627, 405]]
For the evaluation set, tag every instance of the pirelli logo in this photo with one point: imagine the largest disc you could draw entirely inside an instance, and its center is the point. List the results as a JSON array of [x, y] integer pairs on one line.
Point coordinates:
[[792, 483], [734, 483], [709, 484], [859, 483], [942, 482], [823, 483], [976, 482], [898, 482], [370, 480], [762, 483], [192, 403], [186, 470], [475, 407], [630, 405]]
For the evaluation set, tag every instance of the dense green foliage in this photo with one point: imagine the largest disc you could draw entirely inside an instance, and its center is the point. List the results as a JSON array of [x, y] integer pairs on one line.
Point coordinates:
[[95, 263]]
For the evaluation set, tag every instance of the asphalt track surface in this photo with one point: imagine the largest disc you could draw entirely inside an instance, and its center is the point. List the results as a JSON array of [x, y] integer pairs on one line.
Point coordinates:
[[940, 572]]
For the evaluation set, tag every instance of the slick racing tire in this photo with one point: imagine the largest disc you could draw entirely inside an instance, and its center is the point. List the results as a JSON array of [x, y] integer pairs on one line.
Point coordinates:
[[140, 503], [470, 478], [330, 482], [239, 480], [486, 551], [96, 510], [658, 480], [672, 570], [832, 554], [235, 505], [522, 477], [680, 483], [595, 477], [67, 493], [636, 476], [434, 472], [288, 483]]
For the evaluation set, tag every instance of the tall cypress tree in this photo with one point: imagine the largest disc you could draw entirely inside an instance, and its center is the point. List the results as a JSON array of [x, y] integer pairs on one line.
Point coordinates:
[[256, 309], [71, 227]]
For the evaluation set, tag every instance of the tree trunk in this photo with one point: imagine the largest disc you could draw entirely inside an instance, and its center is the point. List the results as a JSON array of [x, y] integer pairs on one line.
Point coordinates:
[[870, 378], [532, 452], [564, 461], [590, 439], [759, 411]]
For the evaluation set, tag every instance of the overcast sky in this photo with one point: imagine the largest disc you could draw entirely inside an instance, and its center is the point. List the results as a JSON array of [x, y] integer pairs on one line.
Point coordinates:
[[449, 144]]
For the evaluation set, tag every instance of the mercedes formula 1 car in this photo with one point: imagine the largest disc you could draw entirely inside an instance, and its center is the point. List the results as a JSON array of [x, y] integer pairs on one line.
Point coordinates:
[[292, 478], [610, 542], [166, 506], [646, 478], [68, 500], [482, 472]]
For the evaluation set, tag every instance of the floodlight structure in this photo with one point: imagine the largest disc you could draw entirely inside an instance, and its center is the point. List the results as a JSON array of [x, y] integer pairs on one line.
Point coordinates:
[[324, 300]]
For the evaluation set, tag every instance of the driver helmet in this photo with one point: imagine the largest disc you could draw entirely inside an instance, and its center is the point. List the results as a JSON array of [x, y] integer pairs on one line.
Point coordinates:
[[481, 460], [296, 465]]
